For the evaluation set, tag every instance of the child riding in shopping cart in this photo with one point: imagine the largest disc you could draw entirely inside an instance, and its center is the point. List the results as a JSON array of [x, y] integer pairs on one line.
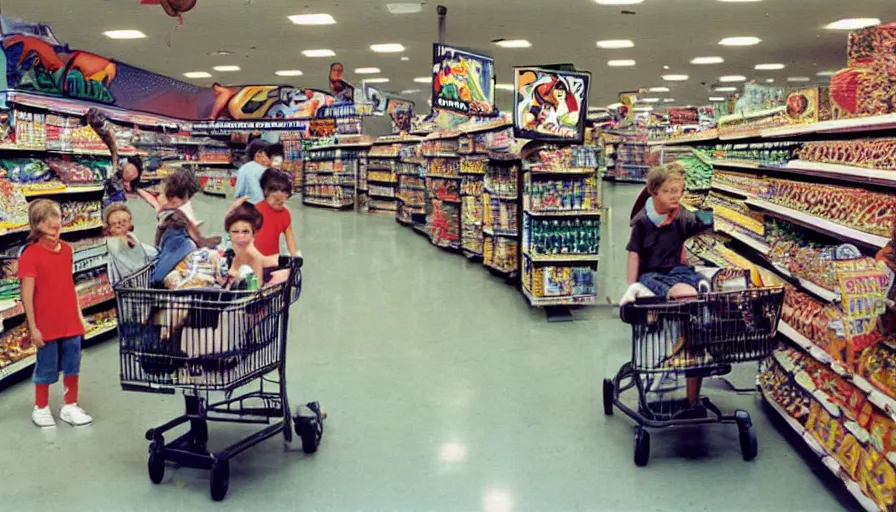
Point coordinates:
[[656, 250]]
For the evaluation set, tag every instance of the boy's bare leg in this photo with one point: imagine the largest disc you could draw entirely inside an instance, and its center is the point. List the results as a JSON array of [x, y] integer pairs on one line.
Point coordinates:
[[682, 291]]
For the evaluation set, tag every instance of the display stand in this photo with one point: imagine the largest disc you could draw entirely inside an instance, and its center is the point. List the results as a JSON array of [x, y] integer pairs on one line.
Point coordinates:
[[501, 205], [561, 227], [331, 174], [443, 182], [384, 168], [412, 186]]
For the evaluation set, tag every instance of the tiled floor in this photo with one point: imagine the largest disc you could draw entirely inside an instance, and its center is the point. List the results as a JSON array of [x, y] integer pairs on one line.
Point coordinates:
[[445, 392]]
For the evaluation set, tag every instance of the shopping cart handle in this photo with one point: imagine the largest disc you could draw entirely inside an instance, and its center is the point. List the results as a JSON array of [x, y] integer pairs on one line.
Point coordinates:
[[290, 262], [637, 313]]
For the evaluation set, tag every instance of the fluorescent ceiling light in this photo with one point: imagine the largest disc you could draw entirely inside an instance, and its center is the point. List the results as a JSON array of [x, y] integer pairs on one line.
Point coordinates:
[[825, 73], [769, 80], [707, 60], [768, 67], [852, 23], [658, 89], [124, 34], [620, 63], [318, 53], [615, 43], [405, 59], [312, 19], [405, 8], [668, 100], [675, 78], [423, 79], [739, 1], [726, 89], [716, 98], [410, 91], [387, 48], [504, 87], [798, 79], [740, 41], [618, 2], [197, 74], [367, 71], [514, 43], [377, 80], [226, 68], [288, 72], [648, 100], [732, 78]]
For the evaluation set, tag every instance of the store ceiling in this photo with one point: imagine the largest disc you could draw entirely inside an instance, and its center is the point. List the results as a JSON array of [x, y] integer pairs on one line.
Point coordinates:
[[670, 33]]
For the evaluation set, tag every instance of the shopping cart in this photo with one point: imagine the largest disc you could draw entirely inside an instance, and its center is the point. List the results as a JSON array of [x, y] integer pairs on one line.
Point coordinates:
[[697, 337], [207, 342]]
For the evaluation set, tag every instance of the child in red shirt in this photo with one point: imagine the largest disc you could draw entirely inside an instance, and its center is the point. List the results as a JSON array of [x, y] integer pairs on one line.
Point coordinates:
[[54, 316], [277, 187]]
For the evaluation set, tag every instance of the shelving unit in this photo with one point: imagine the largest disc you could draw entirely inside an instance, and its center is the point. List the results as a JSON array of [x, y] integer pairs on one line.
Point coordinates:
[[411, 187], [330, 176], [561, 225], [443, 190], [472, 171], [501, 201]]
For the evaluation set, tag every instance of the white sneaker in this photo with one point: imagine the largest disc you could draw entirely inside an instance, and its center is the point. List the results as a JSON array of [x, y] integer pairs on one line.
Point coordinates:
[[43, 418], [74, 415]]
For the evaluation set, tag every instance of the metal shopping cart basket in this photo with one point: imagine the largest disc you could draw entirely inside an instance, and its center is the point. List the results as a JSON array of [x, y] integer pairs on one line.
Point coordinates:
[[693, 338], [212, 343]]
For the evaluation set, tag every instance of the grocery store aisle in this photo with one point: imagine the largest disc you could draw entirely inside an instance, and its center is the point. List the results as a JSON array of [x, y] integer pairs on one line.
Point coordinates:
[[445, 392]]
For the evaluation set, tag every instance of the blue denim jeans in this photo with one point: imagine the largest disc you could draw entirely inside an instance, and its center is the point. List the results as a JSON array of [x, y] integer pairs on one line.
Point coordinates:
[[62, 354], [660, 283]]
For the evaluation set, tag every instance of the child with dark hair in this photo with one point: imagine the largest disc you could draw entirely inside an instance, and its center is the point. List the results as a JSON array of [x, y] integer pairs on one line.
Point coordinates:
[[248, 177], [243, 224], [276, 153], [277, 187]]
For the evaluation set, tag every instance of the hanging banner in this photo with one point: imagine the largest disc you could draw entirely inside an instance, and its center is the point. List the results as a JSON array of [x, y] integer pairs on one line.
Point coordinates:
[[374, 98], [401, 112], [463, 81], [550, 105], [342, 91]]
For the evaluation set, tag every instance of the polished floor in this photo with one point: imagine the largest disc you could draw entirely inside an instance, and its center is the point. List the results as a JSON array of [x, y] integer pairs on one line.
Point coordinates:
[[445, 392]]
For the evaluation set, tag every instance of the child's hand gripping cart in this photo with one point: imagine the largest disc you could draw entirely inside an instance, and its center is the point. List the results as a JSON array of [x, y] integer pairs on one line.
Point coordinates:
[[204, 341], [691, 338]]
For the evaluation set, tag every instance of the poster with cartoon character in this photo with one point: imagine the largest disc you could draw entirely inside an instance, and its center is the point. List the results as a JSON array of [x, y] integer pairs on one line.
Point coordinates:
[[401, 112], [463, 81], [550, 105], [343, 91]]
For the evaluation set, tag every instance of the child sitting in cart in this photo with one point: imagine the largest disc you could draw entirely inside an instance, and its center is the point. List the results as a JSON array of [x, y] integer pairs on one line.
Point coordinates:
[[126, 254], [656, 248], [276, 218]]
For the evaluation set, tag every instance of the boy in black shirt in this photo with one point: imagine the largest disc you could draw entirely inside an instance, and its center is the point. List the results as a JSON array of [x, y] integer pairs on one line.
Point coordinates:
[[656, 247]]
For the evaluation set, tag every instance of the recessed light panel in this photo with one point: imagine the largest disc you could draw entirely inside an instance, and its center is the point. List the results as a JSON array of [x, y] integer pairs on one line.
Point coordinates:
[[675, 78], [770, 80], [197, 74], [726, 89], [732, 78], [618, 2], [825, 73], [377, 80], [740, 41], [318, 53], [288, 72], [124, 34], [668, 100], [405, 8], [658, 89], [648, 100], [367, 71], [852, 23], [716, 98], [621, 63], [768, 67], [514, 43], [707, 60], [504, 87], [387, 48], [615, 43], [423, 79], [226, 68], [312, 19], [410, 91], [797, 79]]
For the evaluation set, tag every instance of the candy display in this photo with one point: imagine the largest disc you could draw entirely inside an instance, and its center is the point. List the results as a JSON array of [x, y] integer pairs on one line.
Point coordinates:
[[736, 211], [78, 215], [382, 180], [473, 170], [15, 344], [443, 222], [500, 216], [866, 211], [385, 150], [868, 153], [328, 177], [502, 180], [443, 189], [748, 184], [439, 147], [698, 173], [551, 158], [501, 254], [562, 195], [559, 282], [448, 167], [13, 207], [473, 165], [73, 173], [765, 153]]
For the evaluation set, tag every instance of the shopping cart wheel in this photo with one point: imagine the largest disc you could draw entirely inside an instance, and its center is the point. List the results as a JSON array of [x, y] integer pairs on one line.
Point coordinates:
[[198, 436], [749, 444], [156, 463], [220, 479], [642, 446], [608, 397], [310, 430]]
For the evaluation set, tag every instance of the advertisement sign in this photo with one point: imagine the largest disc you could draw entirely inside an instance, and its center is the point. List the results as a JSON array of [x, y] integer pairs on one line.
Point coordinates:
[[863, 288], [401, 112], [463, 81], [549, 104]]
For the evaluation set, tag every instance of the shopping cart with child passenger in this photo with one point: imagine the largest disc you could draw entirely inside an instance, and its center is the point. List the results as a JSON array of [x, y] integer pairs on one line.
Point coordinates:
[[213, 343], [691, 338]]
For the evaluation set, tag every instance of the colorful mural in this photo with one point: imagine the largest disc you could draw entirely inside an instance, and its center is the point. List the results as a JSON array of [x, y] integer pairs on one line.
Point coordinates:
[[550, 105], [463, 81], [36, 62]]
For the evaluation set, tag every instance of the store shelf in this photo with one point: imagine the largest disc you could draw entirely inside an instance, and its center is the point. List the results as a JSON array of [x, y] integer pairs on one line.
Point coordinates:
[[96, 302], [819, 224], [381, 196], [193, 162], [507, 233], [84, 152], [100, 331], [567, 171], [441, 177], [327, 204], [731, 190], [442, 155], [88, 227], [736, 164], [506, 271], [559, 301], [886, 178], [564, 213], [21, 364], [858, 124], [828, 461], [630, 180], [444, 200], [63, 191], [561, 258], [762, 248]]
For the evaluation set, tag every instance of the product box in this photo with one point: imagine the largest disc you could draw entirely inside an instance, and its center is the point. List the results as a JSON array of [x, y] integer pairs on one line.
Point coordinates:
[[875, 43]]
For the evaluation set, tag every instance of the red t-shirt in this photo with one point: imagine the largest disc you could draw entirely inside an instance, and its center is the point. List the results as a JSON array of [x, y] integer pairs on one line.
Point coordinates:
[[56, 308], [267, 240]]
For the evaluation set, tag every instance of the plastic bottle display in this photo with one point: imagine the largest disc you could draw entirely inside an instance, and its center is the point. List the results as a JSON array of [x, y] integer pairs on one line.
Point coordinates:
[[564, 236], [559, 195]]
